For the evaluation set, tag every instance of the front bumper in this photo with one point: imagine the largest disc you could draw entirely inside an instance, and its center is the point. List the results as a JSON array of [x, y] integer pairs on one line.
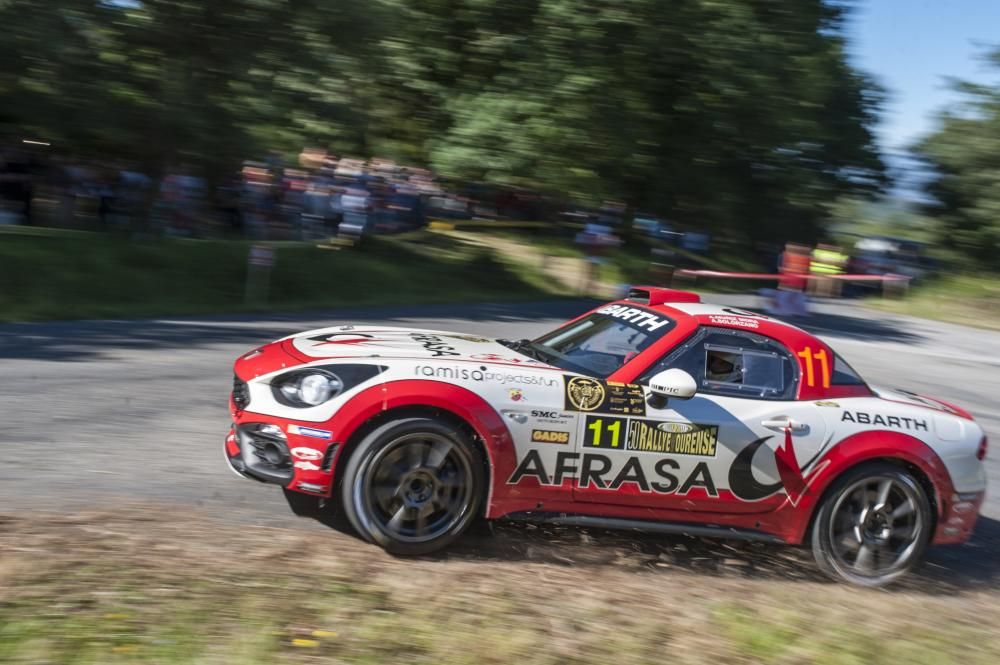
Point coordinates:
[[296, 457], [958, 519]]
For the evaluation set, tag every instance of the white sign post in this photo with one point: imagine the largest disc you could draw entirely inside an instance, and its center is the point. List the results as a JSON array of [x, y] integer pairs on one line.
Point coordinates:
[[259, 264]]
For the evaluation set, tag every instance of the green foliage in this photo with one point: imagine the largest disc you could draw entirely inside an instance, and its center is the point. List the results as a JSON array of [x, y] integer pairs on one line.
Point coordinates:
[[735, 115], [964, 154], [100, 275]]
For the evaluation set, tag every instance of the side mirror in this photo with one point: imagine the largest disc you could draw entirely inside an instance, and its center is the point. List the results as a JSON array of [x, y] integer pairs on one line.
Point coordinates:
[[674, 383]]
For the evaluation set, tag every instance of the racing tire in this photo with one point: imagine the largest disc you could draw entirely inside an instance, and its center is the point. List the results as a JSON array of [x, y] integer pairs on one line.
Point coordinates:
[[873, 526], [413, 486]]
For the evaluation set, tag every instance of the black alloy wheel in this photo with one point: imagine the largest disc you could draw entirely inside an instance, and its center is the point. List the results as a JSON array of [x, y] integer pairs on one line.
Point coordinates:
[[873, 526], [412, 486]]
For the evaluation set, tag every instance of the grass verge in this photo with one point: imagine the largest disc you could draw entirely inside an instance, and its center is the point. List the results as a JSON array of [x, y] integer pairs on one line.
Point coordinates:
[[133, 586], [70, 276], [972, 300]]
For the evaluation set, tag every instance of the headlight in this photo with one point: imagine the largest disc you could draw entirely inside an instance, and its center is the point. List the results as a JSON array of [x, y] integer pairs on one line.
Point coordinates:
[[313, 386]]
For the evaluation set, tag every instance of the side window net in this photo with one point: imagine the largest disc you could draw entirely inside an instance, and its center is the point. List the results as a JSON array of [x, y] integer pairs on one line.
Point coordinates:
[[750, 371], [734, 362]]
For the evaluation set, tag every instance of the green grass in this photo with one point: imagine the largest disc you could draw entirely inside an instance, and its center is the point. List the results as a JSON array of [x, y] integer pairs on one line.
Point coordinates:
[[66, 276], [131, 587], [787, 635], [967, 299]]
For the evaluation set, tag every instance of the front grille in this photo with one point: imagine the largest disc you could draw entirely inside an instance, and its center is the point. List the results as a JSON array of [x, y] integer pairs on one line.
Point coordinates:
[[270, 450], [241, 393], [264, 452]]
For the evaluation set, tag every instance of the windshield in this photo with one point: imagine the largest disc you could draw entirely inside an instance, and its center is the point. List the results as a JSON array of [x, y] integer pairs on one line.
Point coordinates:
[[603, 341]]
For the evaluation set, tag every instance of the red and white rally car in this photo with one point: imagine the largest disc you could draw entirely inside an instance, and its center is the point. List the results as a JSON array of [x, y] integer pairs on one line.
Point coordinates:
[[656, 412]]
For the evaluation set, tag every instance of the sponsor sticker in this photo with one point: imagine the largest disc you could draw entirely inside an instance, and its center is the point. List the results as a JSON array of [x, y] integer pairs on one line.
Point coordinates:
[[311, 432], [308, 454], [593, 469], [515, 394], [483, 374], [306, 466], [551, 417], [650, 436], [549, 436], [735, 321], [638, 318], [435, 345], [586, 394], [828, 403], [898, 422]]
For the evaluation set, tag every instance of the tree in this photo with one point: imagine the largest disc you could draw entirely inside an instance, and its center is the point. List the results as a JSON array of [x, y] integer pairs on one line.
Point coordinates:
[[964, 155], [741, 116]]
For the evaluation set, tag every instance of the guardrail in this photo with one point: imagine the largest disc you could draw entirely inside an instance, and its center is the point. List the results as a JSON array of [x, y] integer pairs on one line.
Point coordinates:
[[450, 224], [889, 281]]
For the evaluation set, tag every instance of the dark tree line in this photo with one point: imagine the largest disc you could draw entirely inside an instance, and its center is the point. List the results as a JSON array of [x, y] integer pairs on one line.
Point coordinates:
[[741, 115], [964, 156]]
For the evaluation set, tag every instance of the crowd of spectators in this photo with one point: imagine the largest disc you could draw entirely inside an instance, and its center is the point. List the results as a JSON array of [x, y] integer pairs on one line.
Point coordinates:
[[317, 195]]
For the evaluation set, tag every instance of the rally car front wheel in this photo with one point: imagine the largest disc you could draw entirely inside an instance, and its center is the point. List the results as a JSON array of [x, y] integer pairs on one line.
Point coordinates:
[[872, 526], [414, 485]]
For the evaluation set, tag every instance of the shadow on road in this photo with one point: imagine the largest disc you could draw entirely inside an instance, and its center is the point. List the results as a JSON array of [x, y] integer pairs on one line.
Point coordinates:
[[87, 340], [974, 565], [859, 323], [948, 569], [857, 327]]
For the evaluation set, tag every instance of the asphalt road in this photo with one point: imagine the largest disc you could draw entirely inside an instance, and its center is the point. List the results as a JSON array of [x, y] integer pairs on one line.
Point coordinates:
[[103, 413]]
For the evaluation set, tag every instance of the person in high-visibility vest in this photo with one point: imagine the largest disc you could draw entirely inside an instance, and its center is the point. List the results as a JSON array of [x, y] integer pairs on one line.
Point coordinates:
[[794, 266], [826, 261]]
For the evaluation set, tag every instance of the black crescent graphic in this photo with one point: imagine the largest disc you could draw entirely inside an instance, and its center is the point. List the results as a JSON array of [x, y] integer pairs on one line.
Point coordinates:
[[743, 312], [331, 338], [741, 480]]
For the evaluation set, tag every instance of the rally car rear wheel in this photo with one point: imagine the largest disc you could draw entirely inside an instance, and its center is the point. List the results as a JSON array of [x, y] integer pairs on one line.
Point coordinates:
[[873, 526], [412, 486]]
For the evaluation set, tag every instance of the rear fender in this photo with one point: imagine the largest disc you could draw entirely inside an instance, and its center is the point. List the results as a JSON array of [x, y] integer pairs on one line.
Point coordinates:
[[858, 449]]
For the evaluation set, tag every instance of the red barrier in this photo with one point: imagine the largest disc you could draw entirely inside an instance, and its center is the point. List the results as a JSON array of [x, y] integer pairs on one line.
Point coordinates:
[[768, 276]]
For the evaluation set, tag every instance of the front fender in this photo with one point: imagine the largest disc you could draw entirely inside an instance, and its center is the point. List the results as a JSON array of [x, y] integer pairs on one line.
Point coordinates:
[[460, 402]]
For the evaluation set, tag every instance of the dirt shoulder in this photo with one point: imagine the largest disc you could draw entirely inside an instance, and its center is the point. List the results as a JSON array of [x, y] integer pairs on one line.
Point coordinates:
[[148, 585]]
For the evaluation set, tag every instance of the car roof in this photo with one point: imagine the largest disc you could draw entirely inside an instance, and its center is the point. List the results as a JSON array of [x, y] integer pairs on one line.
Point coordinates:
[[690, 313], [677, 304]]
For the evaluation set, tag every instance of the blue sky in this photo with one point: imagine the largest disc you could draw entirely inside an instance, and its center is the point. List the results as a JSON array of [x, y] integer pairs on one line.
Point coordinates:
[[911, 46]]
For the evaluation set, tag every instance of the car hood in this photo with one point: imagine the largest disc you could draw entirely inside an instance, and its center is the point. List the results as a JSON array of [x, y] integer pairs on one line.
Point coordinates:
[[417, 343]]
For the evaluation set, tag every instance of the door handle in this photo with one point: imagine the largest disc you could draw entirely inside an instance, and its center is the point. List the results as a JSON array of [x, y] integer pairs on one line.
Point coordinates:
[[784, 423]]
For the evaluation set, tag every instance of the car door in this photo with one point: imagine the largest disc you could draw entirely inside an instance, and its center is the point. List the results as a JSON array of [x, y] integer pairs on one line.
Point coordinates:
[[742, 444], [545, 440]]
